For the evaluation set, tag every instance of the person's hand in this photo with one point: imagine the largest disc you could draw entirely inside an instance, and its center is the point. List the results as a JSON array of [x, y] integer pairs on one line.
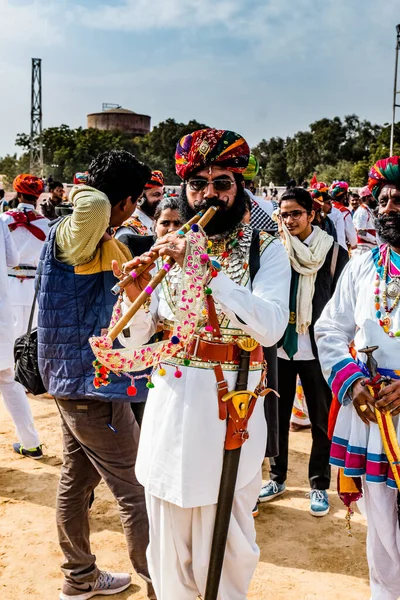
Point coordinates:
[[133, 289], [389, 398], [361, 399], [172, 245]]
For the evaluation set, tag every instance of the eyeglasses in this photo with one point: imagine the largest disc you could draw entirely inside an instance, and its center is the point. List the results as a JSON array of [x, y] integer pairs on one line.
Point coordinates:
[[220, 185], [294, 214]]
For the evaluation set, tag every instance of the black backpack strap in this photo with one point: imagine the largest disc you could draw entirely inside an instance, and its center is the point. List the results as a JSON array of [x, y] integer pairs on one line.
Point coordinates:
[[254, 257]]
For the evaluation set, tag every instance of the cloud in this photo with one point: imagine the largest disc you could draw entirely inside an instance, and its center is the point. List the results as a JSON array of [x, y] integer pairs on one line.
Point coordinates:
[[30, 22], [142, 15]]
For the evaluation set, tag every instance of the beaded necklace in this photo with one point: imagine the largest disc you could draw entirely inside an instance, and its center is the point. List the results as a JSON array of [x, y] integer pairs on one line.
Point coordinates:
[[389, 290]]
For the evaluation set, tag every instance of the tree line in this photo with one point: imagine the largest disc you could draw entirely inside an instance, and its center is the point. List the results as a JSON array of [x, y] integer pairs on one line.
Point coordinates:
[[332, 148]]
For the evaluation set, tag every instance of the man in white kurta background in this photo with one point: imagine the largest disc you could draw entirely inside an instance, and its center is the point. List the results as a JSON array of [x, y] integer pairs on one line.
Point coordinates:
[[364, 222], [182, 437], [28, 229], [359, 311], [13, 393]]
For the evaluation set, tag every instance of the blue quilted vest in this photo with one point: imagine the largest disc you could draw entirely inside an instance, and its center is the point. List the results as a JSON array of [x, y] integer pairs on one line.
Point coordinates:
[[75, 303]]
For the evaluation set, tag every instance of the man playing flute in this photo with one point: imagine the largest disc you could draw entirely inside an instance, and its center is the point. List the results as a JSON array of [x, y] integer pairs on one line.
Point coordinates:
[[182, 438]]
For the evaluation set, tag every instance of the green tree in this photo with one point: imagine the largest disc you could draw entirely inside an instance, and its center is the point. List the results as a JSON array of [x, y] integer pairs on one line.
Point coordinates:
[[328, 135], [271, 155], [359, 173], [301, 155], [329, 173]]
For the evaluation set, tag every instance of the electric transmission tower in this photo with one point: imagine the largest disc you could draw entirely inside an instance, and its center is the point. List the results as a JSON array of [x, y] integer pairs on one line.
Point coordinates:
[[395, 91], [36, 157]]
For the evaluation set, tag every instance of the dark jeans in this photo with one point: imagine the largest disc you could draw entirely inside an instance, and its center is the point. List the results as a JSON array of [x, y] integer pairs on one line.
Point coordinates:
[[318, 397], [100, 440]]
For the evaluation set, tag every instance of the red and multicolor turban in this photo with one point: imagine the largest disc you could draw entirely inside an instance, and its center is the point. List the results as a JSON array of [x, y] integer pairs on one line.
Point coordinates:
[[28, 184], [80, 178], [318, 190], [156, 180], [338, 189], [206, 147], [383, 172], [252, 169], [364, 192]]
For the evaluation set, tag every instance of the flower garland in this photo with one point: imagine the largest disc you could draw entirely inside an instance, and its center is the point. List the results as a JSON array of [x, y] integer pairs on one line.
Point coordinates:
[[189, 307]]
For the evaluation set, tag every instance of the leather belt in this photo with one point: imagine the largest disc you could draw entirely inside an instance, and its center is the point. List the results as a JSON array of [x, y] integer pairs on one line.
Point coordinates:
[[217, 352]]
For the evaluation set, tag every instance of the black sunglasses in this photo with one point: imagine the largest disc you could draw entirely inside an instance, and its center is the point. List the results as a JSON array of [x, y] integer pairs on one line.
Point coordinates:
[[220, 185]]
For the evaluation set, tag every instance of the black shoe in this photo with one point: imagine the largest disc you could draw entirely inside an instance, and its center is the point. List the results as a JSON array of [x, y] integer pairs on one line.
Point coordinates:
[[35, 453]]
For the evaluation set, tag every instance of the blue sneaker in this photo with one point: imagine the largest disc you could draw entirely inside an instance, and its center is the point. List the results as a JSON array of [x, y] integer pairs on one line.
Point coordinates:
[[319, 503], [35, 453], [271, 490]]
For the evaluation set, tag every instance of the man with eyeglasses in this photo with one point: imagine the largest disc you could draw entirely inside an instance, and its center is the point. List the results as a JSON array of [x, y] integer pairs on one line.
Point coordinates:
[[364, 311], [184, 426]]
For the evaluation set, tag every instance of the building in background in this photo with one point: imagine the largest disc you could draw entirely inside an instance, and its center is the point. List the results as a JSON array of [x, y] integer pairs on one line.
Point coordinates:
[[114, 117]]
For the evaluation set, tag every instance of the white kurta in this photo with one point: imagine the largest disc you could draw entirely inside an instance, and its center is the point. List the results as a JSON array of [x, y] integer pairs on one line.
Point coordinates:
[[363, 219], [13, 393], [9, 257], [338, 220], [29, 247], [182, 438], [356, 447]]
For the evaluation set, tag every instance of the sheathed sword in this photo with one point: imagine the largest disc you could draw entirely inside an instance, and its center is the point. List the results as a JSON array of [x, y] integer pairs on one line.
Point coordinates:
[[240, 405]]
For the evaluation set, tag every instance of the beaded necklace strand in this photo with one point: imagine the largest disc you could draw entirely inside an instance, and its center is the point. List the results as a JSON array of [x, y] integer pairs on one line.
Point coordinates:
[[386, 321]]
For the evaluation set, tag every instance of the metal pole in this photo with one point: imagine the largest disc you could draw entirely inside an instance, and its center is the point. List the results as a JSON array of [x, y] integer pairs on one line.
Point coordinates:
[[395, 90], [36, 154]]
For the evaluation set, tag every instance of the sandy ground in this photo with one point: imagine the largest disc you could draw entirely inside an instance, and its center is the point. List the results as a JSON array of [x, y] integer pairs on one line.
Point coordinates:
[[301, 557]]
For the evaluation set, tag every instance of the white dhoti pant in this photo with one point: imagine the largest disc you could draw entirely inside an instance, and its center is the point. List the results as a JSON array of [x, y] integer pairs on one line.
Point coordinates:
[[379, 505], [17, 404], [180, 544]]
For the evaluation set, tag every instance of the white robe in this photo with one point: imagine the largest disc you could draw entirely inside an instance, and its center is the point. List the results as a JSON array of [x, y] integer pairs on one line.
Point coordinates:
[[9, 257], [182, 438], [22, 291], [356, 447]]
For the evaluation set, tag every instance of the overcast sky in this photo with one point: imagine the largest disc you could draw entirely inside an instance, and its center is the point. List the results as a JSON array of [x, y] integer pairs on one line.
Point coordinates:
[[261, 67]]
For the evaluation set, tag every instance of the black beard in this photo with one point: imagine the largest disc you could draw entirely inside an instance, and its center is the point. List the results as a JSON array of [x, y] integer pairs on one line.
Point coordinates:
[[389, 233], [147, 208], [225, 219]]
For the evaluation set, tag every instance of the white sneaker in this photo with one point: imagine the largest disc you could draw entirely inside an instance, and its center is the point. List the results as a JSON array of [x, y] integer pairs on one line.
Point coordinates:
[[105, 585]]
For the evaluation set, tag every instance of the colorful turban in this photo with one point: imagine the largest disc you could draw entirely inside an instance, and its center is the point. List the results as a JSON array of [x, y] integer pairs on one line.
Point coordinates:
[[383, 172], [156, 180], [364, 192], [318, 188], [338, 189], [28, 184], [80, 178], [206, 147], [252, 169]]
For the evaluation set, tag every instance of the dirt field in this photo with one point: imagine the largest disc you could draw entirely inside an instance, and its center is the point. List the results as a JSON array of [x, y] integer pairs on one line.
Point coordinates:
[[301, 557]]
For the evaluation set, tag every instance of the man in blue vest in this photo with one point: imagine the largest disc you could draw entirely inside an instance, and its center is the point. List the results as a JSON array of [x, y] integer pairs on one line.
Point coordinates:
[[100, 433]]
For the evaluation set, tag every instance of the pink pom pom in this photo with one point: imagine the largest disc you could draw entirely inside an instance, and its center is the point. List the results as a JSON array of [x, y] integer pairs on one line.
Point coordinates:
[[178, 374], [204, 258], [209, 328]]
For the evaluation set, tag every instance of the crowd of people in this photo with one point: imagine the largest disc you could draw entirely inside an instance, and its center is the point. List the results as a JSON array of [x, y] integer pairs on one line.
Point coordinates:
[[159, 386]]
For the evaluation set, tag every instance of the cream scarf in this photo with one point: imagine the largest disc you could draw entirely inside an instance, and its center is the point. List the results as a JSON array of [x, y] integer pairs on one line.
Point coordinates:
[[306, 260]]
